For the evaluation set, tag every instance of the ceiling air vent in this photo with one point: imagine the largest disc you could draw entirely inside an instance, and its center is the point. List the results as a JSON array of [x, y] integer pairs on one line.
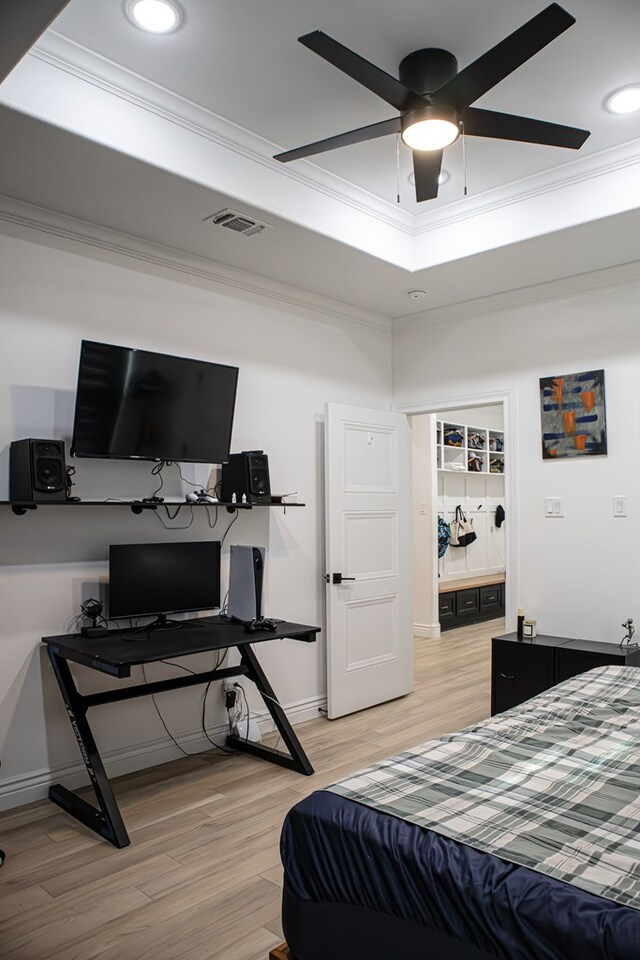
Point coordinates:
[[238, 222]]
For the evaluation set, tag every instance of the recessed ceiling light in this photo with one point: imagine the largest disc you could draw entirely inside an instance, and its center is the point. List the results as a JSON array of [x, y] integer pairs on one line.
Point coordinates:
[[443, 177], [625, 100], [154, 16]]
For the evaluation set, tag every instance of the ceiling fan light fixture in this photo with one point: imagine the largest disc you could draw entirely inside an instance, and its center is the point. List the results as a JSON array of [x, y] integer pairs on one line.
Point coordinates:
[[625, 100], [154, 16], [430, 128]]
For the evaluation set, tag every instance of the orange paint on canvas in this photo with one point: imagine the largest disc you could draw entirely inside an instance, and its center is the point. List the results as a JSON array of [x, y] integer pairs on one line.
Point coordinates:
[[580, 440], [569, 417], [558, 389], [588, 399], [553, 453]]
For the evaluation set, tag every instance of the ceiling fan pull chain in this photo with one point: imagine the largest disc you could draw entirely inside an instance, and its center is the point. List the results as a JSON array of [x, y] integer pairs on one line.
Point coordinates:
[[464, 160], [397, 168]]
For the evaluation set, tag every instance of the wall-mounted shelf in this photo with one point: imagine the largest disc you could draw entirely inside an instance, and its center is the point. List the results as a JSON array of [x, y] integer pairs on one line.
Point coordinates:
[[136, 506], [459, 445]]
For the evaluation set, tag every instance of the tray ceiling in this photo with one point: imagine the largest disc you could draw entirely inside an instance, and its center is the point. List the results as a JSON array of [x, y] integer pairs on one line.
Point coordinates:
[[156, 130]]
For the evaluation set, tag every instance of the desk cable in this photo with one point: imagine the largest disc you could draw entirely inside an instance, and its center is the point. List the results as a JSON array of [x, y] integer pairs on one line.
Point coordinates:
[[220, 660], [266, 697]]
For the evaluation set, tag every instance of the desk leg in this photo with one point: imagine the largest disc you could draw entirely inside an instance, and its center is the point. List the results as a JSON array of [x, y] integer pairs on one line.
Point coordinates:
[[296, 759], [106, 821]]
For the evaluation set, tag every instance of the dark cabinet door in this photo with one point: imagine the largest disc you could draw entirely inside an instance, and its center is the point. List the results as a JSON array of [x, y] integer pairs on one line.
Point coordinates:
[[447, 608], [468, 603], [491, 599], [519, 671], [569, 663]]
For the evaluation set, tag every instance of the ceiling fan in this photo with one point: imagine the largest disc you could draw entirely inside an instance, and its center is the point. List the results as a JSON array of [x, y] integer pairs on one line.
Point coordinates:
[[434, 98]]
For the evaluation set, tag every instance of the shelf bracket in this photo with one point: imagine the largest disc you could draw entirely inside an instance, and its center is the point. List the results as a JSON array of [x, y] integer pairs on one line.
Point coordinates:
[[21, 509]]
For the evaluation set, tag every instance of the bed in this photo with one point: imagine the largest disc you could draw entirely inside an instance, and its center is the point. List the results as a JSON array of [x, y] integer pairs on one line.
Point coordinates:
[[517, 838]]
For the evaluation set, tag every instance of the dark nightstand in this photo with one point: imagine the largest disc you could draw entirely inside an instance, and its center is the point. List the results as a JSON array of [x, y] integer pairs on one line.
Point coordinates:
[[520, 669], [578, 656]]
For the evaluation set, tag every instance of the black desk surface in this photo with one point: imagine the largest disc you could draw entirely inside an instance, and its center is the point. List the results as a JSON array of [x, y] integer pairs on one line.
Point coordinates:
[[120, 650]]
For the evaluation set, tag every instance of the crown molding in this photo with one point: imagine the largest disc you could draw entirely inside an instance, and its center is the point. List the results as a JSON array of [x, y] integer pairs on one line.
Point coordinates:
[[84, 64], [30, 222], [621, 275], [568, 174], [424, 240]]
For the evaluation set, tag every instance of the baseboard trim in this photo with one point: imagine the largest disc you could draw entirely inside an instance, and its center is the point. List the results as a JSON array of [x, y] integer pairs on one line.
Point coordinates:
[[32, 786], [426, 631]]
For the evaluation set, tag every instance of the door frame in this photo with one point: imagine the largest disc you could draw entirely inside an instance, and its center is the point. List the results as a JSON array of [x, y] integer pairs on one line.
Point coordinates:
[[508, 399]]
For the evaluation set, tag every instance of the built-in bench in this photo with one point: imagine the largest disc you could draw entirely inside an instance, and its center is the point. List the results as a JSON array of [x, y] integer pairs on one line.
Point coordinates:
[[471, 600]]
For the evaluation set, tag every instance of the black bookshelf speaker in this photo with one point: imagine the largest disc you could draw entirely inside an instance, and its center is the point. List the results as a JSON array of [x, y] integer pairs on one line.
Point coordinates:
[[37, 471], [247, 473]]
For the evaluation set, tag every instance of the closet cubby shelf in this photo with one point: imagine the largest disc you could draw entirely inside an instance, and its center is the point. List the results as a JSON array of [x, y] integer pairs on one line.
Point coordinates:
[[466, 445], [136, 506]]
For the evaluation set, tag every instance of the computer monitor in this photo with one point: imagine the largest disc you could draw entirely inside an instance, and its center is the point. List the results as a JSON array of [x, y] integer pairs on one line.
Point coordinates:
[[154, 579]]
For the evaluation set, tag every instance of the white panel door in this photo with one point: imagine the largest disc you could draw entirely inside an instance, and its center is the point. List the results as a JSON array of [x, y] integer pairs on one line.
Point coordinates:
[[369, 550]]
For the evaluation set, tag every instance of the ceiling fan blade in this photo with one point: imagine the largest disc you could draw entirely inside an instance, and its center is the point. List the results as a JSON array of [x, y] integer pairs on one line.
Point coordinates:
[[372, 132], [506, 126], [356, 67], [426, 170], [488, 70]]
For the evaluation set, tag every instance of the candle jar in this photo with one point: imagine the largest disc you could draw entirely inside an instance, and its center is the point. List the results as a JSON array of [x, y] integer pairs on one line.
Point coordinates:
[[529, 629]]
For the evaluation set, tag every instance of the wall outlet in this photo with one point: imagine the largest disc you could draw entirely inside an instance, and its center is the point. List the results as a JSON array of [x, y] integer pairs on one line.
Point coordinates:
[[227, 685]]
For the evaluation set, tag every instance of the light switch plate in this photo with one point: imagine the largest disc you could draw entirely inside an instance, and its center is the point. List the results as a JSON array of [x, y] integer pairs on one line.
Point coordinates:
[[553, 508], [619, 505]]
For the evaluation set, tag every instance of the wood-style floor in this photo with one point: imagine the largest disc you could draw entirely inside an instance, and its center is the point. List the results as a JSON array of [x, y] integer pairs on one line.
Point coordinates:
[[201, 878]]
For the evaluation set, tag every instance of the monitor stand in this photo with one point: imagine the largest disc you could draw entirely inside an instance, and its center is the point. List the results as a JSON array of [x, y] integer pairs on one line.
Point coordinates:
[[162, 622]]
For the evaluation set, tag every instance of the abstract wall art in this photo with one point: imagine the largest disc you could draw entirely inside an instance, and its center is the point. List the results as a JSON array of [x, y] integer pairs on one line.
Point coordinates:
[[574, 420]]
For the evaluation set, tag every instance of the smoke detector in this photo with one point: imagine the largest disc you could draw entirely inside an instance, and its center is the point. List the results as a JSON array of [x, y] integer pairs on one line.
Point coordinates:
[[238, 222], [416, 294]]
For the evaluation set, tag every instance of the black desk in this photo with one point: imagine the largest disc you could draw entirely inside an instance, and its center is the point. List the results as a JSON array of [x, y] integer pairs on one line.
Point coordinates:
[[115, 656]]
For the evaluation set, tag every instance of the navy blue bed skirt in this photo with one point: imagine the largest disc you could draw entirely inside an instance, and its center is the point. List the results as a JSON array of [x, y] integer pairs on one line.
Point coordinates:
[[340, 854]]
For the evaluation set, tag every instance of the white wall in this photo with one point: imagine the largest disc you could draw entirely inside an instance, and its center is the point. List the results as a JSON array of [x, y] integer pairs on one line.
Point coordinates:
[[490, 416], [479, 496], [290, 365], [578, 576]]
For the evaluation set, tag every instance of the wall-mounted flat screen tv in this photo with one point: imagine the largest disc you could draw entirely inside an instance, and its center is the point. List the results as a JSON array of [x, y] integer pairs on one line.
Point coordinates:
[[136, 405]]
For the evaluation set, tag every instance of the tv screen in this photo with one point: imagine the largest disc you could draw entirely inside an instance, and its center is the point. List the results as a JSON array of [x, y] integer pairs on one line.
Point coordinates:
[[133, 404], [150, 579]]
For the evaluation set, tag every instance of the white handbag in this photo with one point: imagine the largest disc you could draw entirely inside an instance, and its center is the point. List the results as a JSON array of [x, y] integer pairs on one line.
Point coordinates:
[[462, 532]]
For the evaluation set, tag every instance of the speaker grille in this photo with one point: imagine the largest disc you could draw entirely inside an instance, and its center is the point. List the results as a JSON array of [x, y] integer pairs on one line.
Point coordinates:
[[48, 474], [48, 466]]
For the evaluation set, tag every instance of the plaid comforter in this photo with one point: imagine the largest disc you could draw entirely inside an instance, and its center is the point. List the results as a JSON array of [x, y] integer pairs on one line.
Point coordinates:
[[553, 785]]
